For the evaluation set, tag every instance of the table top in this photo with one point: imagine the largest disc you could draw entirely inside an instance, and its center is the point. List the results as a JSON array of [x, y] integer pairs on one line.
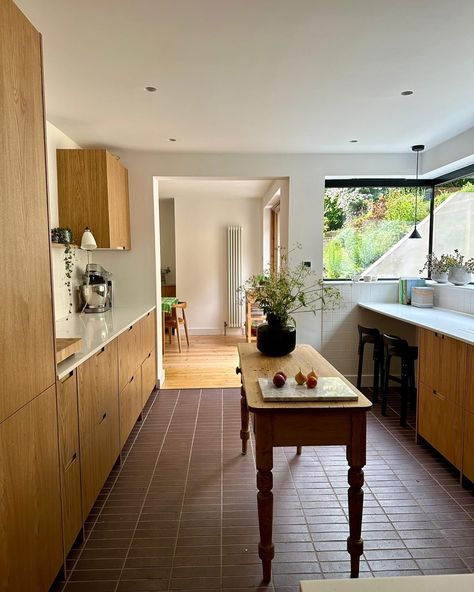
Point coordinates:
[[167, 302], [441, 583], [453, 324], [255, 365]]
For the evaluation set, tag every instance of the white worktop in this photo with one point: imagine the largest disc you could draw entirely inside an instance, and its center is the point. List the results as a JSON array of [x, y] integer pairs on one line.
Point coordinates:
[[448, 322], [441, 583], [96, 330]]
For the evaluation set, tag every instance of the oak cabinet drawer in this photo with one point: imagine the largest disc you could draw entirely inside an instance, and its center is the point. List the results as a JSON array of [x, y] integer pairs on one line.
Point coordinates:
[[442, 364], [130, 406], [440, 423], [148, 376], [148, 335], [468, 452]]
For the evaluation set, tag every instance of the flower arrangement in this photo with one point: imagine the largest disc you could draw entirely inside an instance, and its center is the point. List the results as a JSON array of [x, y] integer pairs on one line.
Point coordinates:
[[440, 264], [458, 260], [64, 236], [286, 290]]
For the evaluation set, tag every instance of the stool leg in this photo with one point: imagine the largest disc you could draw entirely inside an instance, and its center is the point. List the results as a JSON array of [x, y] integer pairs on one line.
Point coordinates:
[[176, 319], [404, 394], [361, 362], [375, 385], [385, 386], [185, 327]]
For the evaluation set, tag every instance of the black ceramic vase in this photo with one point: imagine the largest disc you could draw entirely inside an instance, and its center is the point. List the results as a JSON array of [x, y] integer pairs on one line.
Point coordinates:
[[275, 339]]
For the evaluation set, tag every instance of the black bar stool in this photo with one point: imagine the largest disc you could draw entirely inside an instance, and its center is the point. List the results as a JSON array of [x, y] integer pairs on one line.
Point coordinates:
[[373, 336], [399, 348]]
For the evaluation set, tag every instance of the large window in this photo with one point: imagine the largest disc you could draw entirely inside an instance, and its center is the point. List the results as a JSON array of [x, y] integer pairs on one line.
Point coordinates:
[[453, 218], [366, 230]]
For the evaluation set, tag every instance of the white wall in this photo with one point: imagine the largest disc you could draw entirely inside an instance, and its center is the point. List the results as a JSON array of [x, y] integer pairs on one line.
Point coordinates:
[[168, 239], [56, 139], [201, 255]]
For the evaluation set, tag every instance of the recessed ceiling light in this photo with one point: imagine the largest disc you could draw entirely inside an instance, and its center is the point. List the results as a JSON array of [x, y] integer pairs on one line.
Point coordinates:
[[406, 93], [171, 139], [353, 141], [150, 88]]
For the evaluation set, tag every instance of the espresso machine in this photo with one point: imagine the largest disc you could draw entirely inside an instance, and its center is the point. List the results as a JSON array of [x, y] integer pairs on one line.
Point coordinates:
[[96, 289]]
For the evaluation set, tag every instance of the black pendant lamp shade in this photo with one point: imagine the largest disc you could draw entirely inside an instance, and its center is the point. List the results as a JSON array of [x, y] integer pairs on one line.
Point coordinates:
[[416, 148]]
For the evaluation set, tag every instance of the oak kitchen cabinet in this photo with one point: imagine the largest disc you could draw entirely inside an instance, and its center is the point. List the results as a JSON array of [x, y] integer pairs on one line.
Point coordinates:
[[98, 421], [148, 366], [31, 550], [93, 192], [446, 399], [69, 457]]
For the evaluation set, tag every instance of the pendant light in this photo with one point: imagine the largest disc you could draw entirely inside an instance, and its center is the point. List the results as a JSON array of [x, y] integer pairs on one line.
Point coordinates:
[[416, 148]]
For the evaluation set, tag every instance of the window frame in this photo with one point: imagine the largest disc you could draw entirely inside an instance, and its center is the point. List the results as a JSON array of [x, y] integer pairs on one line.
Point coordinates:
[[401, 182]]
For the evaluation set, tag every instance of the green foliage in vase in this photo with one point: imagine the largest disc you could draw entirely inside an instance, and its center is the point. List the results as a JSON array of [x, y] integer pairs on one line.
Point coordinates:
[[286, 290]]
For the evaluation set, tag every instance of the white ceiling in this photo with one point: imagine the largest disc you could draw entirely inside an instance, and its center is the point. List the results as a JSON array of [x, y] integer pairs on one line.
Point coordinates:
[[258, 75], [212, 188]]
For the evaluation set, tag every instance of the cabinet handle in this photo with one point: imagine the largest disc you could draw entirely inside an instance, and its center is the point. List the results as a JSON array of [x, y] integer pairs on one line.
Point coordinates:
[[103, 417], [74, 456], [66, 378], [238, 370], [101, 351], [434, 392], [131, 379], [130, 328], [149, 355]]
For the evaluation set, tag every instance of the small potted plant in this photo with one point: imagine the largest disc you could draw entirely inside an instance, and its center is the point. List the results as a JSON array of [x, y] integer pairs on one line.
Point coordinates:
[[439, 267], [65, 237], [460, 269], [282, 292]]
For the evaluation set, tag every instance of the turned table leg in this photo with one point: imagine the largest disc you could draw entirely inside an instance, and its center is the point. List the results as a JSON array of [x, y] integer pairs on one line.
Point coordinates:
[[356, 460], [244, 418], [264, 459]]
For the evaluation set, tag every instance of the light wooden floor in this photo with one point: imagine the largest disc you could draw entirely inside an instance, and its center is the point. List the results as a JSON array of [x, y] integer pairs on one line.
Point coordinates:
[[208, 362]]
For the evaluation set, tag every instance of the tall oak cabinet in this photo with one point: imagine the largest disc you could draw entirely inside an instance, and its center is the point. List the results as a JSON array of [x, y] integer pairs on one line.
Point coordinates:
[[30, 506]]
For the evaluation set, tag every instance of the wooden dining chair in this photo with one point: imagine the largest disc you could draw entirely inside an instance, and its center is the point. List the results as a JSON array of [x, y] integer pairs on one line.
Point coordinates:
[[174, 320]]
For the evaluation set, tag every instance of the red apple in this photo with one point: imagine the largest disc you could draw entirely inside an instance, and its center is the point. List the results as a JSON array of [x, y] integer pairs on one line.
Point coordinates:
[[311, 382], [282, 373]]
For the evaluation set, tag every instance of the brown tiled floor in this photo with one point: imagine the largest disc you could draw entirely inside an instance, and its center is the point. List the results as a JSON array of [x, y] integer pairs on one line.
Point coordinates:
[[180, 512]]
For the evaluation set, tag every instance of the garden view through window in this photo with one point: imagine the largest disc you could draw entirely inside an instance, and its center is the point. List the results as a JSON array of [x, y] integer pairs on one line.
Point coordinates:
[[367, 229]]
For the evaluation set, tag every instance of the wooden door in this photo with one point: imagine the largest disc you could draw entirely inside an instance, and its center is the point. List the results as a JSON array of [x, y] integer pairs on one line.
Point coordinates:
[[440, 423], [130, 352], [130, 405], [26, 314], [148, 376], [118, 203], [31, 551], [69, 459], [442, 364], [98, 421], [82, 193]]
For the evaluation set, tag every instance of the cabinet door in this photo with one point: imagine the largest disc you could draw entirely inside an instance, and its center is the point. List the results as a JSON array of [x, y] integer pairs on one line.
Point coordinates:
[[148, 376], [119, 213], [26, 314], [69, 458], [130, 406], [442, 364], [469, 400], [440, 423], [30, 506], [98, 421], [130, 350], [468, 451], [82, 193], [148, 334]]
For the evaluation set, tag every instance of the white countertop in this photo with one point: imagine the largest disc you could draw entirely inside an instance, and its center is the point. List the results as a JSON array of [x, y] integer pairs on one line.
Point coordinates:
[[96, 330], [442, 583], [453, 324]]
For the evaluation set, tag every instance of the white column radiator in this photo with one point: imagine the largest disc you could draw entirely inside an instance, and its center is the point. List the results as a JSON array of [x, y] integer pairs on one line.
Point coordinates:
[[234, 275]]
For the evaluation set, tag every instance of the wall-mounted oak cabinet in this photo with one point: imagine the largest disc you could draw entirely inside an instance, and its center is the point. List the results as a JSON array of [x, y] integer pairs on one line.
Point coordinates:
[[93, 192]]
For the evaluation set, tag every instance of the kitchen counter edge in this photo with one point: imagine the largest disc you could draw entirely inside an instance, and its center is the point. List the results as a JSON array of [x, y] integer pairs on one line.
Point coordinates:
[[126, 317]]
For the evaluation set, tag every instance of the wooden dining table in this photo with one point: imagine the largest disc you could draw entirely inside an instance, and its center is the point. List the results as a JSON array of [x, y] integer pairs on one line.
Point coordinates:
[[308, 423]]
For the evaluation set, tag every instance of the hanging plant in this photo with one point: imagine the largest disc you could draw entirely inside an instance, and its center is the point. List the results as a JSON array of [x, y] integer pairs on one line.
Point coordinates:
[[65, 237]]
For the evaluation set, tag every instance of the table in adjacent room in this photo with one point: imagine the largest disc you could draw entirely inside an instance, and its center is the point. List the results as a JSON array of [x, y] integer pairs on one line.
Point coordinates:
[[166, 306], [301, 424]]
